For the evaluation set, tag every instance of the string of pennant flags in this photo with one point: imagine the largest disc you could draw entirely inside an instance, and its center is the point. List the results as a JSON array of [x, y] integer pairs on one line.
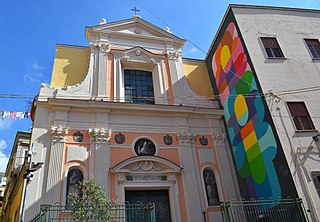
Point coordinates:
[[14, 115]]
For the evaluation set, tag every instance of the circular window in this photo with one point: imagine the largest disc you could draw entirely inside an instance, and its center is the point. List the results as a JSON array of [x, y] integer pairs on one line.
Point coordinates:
[[144, 147]]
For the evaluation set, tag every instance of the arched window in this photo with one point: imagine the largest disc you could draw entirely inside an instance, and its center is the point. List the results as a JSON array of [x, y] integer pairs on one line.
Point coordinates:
[[75, 176], [211, 187]]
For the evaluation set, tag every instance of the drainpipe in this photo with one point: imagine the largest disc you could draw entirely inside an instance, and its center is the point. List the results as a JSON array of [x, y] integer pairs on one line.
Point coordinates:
[[204, 216]]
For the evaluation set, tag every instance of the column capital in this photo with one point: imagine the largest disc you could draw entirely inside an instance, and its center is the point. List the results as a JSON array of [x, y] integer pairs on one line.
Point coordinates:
[[174, 55], [186, 137], [59, 133], [100, 134], [218, 138]]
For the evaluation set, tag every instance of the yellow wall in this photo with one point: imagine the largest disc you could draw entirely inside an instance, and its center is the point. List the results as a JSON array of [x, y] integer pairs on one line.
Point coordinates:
[[197, 77], [16, 203], [70, 65]]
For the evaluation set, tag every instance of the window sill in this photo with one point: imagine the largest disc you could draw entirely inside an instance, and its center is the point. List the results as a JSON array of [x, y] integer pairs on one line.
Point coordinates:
[[277, 58], [306, 131]]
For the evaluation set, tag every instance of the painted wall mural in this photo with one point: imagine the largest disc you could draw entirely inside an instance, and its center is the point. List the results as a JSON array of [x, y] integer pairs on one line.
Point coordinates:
[[253, 141]]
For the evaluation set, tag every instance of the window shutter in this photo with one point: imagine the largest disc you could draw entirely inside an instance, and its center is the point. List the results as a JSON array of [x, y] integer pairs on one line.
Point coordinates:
[[297, 109], [270, 42]]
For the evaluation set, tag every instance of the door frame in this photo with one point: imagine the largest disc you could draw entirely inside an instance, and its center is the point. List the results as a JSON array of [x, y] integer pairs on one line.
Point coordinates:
[[149, 166]]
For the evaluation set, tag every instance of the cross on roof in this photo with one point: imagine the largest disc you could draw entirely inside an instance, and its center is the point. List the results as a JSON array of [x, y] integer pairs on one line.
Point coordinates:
[[135, 10]]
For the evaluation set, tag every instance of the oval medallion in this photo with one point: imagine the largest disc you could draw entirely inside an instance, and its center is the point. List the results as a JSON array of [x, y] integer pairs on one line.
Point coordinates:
[[119, 138]]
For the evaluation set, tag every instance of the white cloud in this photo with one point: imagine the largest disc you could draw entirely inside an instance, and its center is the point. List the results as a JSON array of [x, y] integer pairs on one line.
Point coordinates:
[[29, 78], [3, 157], [35, 66], [5, 123], [34, 74], [192, 50]]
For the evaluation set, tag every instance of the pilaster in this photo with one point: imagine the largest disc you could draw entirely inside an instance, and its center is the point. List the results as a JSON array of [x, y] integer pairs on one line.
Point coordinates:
[[58, 138], [102, 73], [100, 156], [225, 162], [190, 175]]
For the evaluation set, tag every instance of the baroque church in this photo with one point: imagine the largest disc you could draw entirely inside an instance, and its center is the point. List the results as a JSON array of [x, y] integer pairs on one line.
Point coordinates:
[[129, 112]]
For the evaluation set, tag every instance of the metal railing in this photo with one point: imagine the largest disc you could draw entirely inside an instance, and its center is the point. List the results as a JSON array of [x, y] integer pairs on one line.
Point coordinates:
[[280, 210], [118, 213]]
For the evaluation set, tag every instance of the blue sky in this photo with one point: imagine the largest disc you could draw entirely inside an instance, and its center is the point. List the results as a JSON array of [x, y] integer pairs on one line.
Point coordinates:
[[31, 29]]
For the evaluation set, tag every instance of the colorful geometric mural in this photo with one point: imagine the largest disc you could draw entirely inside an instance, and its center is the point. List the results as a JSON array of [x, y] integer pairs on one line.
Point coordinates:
[[252, 138]]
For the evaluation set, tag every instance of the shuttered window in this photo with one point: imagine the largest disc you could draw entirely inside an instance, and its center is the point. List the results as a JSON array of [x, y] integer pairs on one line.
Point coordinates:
[[272, 47], [314, 47], [300, 116]]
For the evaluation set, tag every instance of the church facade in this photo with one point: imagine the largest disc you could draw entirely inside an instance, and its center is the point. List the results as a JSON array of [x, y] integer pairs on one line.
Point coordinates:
[[127, 112]]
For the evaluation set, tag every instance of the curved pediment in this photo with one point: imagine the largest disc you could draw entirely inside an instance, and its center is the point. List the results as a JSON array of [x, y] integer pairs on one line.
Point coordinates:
[[146, 164]]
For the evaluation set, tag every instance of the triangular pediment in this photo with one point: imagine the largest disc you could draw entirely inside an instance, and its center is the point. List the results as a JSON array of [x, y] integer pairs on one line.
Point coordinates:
[[134, 27]]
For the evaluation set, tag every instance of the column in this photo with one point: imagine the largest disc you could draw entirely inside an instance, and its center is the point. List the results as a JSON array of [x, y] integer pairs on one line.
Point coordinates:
[[100, 160], [189, 176], [54, 179]]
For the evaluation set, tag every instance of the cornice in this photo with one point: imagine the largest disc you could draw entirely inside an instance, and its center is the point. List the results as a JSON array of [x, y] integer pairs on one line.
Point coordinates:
[[125, 107]]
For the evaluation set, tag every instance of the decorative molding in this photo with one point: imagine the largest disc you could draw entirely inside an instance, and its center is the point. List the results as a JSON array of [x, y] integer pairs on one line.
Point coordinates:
[[59, 133], [206, 155], [203, 141], [186, 137], [174, 55], [145, 166], [100, 134], [167, 139], [102, 47], [218, 138], [120, 138], [137, 54]]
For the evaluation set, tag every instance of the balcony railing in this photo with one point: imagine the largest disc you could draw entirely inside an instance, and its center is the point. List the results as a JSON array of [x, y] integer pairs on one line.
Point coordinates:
[[118, 213], [280, 210]]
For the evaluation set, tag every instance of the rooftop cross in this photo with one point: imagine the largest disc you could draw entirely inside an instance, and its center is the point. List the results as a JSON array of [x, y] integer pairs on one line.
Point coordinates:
[[135, 10]]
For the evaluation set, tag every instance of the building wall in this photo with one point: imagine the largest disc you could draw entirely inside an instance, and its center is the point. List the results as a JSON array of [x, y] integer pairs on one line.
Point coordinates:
[[297, 71], [96, 108], [70, 65], [197, 77], [257, 152]]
